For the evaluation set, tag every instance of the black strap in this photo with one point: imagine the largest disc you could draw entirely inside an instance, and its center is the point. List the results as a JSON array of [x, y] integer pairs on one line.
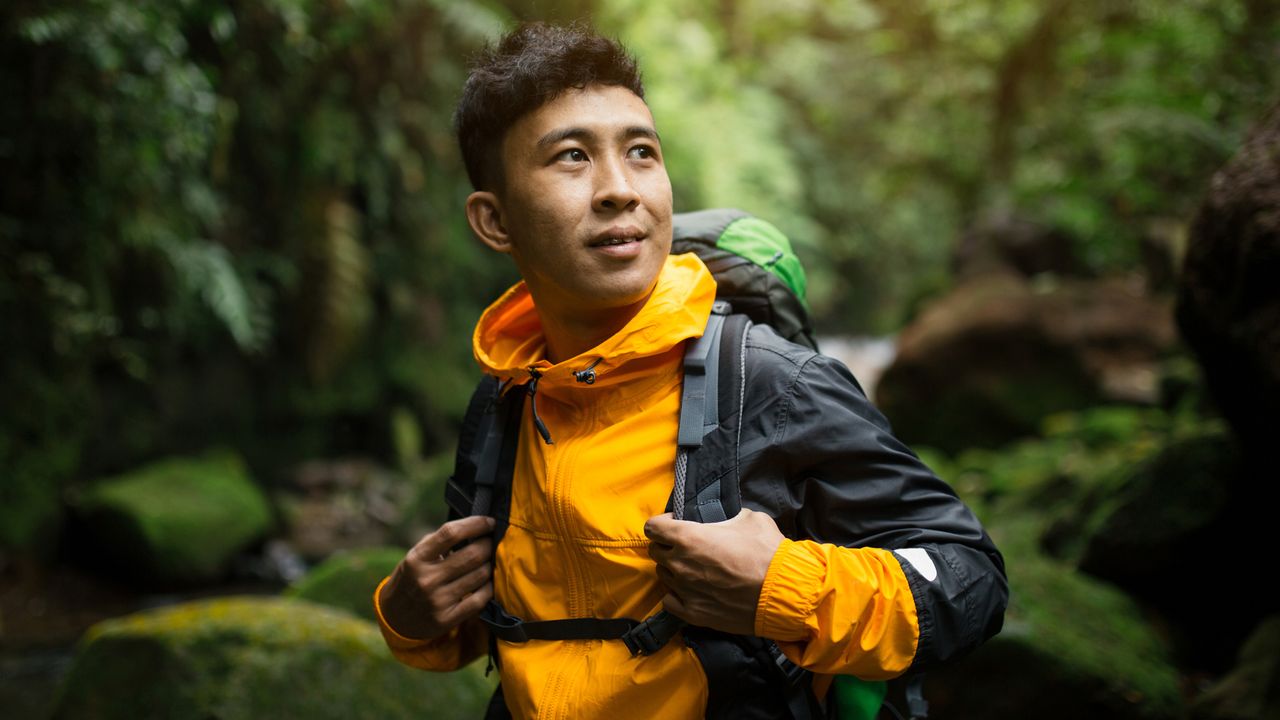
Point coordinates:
[[460, 488], [641, 637], [795, 681], [506, 626], [494, 454], [649, 636], [486, 454]]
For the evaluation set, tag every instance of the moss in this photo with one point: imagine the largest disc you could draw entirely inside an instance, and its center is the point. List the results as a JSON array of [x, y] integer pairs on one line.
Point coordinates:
[[347, 580], [1090, 630], [175, 520], [1180, 489], [241, 658]]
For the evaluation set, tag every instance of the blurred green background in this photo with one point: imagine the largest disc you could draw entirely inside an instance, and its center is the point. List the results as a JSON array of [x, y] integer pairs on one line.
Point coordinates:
[[238, 225]]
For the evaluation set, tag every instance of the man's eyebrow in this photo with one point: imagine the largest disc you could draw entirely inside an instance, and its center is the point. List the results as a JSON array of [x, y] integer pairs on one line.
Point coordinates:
[[585, 135], [569, 133], [642, 131]]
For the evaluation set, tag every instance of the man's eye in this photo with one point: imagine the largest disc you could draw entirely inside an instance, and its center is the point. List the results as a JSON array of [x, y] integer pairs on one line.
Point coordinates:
[[574, 155], [642, 152]]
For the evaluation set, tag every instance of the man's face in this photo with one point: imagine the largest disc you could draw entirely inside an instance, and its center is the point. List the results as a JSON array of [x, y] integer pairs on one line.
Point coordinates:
[[587, 200]]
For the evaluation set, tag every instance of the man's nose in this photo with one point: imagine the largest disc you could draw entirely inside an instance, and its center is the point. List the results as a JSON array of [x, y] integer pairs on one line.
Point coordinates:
[[614, 188]]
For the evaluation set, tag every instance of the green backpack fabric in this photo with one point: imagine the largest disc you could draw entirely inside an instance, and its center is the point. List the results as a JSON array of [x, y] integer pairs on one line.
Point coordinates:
[[755, 268]]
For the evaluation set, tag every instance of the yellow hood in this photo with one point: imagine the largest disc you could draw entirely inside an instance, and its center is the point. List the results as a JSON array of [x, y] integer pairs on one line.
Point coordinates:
[[509, 339]]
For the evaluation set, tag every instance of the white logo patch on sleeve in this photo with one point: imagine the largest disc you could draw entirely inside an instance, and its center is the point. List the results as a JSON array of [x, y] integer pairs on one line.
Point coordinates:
[[921, 561]]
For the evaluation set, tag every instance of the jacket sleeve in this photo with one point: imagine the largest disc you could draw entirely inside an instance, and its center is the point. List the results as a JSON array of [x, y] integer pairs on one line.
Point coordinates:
[[448, 652], [888, 569]]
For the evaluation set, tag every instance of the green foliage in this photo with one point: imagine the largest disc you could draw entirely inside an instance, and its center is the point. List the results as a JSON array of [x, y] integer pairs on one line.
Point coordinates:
[[1088, 631], [240, 658], [887, 128], [191, 178], [268, 195], [1079, 455], [1042, 500]]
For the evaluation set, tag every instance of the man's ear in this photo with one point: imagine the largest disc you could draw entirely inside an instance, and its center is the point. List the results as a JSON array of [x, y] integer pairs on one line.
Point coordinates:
[[484, 214]]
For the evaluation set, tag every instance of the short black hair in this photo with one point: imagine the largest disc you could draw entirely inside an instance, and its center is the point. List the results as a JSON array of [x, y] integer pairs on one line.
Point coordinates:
[[529, 67]]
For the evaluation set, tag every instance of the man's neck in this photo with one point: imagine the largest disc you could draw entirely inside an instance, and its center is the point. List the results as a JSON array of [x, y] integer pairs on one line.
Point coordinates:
[[571, 333]]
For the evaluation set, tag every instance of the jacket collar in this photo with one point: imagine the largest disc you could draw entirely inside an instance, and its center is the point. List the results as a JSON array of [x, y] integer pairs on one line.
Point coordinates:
[[509, 340]]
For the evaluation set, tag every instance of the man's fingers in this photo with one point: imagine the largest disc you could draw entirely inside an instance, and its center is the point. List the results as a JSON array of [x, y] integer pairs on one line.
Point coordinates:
[[472, 581], [458, 564], [668, 578], [660, 553], [438, 543], [469, 556], [671, 603], [664, 529], [469, 605]]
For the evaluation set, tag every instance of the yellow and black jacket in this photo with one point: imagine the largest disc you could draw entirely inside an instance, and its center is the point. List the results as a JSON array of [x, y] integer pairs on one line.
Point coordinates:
[[884, 568]]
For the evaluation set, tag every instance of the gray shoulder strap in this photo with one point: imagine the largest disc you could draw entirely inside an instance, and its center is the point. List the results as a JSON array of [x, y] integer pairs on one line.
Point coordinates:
[[699, 406]]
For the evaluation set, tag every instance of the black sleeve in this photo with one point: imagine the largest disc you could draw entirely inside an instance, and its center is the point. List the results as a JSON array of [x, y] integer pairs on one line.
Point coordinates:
[[850, 482]]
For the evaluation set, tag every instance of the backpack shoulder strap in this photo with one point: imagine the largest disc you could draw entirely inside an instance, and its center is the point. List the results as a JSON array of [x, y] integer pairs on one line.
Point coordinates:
[[699, 408], [485, 461], [459, 492], [699, 400], [713, 391]]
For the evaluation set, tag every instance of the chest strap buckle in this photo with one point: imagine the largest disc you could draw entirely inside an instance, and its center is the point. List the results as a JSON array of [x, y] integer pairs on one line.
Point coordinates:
[[648, 637]]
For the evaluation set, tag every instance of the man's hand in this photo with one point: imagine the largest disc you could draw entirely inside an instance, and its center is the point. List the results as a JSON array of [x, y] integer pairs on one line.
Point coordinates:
[[714, 571], [434, 590]]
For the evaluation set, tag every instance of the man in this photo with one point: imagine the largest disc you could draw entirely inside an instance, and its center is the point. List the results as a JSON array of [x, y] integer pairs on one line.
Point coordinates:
[[571, 183]]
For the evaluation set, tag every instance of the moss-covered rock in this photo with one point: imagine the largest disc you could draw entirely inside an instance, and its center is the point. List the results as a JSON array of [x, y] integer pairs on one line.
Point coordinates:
[[1228, 307], [347, 580], [178, 520], [244, 658], [1175, 494], [1072, 647], [1188, 507], [985, 364]]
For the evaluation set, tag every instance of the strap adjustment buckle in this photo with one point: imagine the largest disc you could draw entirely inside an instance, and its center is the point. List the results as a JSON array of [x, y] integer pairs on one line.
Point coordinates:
[[641, 640], [502, 624], [791, 671], [650, 635]]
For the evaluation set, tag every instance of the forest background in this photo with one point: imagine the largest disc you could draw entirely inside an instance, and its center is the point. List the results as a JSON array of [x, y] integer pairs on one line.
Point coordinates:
[[238, 225]]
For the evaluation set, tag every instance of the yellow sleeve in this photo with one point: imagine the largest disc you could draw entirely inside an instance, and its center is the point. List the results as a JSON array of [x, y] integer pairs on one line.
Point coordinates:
[[448, 652], [839, 610]]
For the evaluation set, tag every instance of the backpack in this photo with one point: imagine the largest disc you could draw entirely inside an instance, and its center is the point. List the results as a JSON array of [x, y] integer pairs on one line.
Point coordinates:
[[759, 279]]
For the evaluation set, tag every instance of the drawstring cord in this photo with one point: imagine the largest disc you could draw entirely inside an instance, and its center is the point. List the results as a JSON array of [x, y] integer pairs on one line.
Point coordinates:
[[532, 389], [587, 376]]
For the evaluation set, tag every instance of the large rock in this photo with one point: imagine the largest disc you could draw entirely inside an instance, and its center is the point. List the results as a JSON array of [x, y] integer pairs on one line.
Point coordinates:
[[987, 362], [347, 580], [1072, 647], [246, 658], [1184, 509], [179, 520], [1252, 690], [1229, 291]]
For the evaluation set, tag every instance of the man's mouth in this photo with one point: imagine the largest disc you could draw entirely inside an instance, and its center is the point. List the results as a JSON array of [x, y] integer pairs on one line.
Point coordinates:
[[617, 236]]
